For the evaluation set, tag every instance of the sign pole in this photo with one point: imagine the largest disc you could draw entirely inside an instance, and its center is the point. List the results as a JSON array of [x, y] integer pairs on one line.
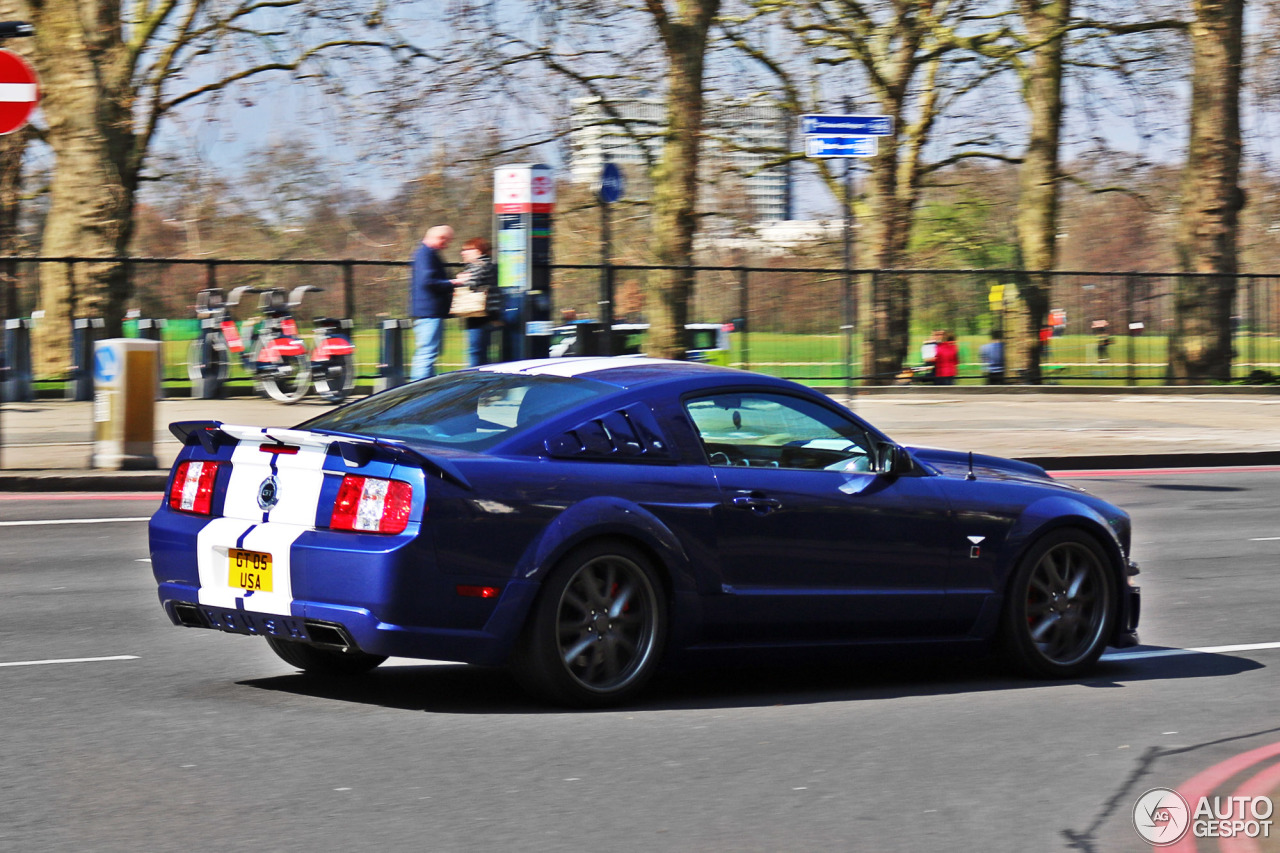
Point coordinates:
[[605, 302], [612, 186], [21, 100], [849, 309], [845, 137]]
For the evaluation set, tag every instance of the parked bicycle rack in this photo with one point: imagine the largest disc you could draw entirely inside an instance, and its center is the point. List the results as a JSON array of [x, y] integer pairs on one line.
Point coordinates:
[[391, 372], [84, 332], [150, 330], [18, 386]]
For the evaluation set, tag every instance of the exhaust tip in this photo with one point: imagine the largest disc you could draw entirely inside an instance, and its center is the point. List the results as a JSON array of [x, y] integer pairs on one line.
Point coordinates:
[[330, 635], [189, 616]]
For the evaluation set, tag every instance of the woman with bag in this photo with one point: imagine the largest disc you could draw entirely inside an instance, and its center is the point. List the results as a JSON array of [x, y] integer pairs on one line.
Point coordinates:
[[482, 298]]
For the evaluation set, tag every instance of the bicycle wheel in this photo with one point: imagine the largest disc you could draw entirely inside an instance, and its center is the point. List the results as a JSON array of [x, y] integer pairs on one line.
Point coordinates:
[[334, 378], [217, 368], [288, 381]]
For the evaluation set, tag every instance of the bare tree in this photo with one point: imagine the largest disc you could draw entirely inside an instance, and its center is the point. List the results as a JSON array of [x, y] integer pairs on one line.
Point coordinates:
[[1211, 197], [683, 26], [111, 71]]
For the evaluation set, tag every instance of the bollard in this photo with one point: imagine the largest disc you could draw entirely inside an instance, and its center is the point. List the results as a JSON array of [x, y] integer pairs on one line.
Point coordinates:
[[206, 384], [124, 404], [391, 372], [83, 333], [17, 386], [152, 330]]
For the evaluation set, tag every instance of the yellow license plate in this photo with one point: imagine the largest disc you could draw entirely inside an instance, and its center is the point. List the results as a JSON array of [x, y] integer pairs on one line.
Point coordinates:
[[249, 570]]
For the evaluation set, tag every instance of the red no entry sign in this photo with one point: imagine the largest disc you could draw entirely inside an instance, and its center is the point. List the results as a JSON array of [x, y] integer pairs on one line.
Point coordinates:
[[19, 91]]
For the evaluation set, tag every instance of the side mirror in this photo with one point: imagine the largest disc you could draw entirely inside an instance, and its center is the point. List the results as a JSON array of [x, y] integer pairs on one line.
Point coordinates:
[[893, 459]]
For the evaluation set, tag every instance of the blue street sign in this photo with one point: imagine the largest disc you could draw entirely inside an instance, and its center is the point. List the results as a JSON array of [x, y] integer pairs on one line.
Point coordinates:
[[612, 184], [840, 146], [105, 365], [847, 125]]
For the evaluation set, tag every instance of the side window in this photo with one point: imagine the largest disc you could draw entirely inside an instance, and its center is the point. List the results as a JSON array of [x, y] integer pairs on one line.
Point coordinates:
[[777, 431]]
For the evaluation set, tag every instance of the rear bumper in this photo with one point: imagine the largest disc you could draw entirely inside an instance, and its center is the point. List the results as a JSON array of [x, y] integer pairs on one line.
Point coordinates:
[[357, 628]]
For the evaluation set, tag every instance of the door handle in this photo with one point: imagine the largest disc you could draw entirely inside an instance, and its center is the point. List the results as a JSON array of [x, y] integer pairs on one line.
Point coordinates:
[[757, 503]]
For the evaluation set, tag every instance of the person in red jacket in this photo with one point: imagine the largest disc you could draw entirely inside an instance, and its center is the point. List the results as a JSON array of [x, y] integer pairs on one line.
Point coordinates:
[[946, 361]]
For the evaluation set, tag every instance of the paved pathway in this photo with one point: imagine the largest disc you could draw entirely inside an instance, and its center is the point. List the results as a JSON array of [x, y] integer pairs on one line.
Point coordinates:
[[51, 438]]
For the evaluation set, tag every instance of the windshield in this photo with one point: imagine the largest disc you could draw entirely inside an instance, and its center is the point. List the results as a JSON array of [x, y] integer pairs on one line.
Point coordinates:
[[471, 410]]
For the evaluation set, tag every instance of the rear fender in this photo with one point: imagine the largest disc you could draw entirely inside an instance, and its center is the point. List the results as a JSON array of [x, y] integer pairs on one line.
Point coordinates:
[[603, 517], [281, 347], [329, 347]]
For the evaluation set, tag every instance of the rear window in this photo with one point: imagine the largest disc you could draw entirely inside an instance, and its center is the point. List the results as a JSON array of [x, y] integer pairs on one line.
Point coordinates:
[[471, 410]]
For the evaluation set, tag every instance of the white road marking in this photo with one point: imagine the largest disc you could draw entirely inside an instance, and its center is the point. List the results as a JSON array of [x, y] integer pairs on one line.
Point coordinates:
[[1206, 650], [1266, 539], [67, 660], [70, 521]]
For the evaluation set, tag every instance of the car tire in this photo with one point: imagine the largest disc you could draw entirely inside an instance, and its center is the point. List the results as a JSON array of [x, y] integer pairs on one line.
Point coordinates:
[[1061, 607], [317, 661], [597, 630]]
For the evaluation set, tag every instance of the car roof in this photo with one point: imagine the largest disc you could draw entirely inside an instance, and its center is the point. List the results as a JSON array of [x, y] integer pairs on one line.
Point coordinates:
[[626, 371]]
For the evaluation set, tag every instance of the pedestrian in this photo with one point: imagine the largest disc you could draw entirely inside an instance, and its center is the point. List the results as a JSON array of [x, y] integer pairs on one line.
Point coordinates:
[[929, 355], [481, 274], [992, 355], [430, 296], [946, 360]]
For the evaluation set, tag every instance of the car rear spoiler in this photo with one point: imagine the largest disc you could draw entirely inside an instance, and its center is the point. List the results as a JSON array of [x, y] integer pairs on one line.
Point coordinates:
[[355, 450]]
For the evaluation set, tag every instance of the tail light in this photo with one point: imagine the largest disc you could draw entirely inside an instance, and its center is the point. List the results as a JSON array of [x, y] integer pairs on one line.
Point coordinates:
[[372, 504], [192, 489]]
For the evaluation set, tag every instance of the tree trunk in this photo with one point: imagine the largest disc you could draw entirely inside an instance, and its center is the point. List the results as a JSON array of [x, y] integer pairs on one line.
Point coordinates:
[[888, 232], [893, 194], [1039, 183], [675, 179], [88, 111], [1201, 347]]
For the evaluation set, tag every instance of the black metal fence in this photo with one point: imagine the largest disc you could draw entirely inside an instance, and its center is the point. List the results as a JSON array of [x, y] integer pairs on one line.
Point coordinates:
[[798, 322]]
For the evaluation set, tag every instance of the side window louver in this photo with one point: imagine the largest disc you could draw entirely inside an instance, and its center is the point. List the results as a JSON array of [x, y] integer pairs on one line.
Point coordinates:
[[630, 433]]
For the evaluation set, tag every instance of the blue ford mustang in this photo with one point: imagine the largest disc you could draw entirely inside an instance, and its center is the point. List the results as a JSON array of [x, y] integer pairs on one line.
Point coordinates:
[[581, 520]]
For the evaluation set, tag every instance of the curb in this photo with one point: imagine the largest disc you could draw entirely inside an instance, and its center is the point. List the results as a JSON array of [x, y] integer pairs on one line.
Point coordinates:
[[84, 481], [1155, 460]]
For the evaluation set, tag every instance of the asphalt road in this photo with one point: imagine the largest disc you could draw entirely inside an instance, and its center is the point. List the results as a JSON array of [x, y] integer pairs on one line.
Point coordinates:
[[202, 740]]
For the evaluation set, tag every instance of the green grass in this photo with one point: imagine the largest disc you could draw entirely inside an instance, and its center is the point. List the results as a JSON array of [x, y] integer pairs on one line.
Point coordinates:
[[817, 359]]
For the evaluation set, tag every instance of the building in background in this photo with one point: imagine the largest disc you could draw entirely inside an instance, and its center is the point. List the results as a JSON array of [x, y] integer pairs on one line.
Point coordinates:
[[741, 138]]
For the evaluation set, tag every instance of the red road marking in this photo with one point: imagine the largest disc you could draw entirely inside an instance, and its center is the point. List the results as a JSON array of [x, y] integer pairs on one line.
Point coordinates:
[[1138, 472], [1258, 785], [82, 496], [1206, 781]]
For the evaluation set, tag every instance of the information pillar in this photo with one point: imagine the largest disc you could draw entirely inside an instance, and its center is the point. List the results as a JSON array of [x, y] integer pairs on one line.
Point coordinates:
[[524, 198]]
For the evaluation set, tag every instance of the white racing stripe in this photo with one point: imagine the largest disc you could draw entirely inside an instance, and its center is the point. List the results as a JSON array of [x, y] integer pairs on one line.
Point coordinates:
[[68, 660], [299, 477], [1206, 650], [70, 521], [568, 367]]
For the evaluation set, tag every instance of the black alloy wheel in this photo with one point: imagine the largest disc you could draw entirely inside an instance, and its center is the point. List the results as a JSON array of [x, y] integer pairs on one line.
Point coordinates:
[[597, 630], [1061, 606]]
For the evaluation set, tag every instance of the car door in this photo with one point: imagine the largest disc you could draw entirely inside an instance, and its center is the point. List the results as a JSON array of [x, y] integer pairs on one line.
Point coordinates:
[[814, 544]]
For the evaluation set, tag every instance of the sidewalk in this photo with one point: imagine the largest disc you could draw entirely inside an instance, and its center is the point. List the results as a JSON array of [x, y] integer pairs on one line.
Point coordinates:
[[46, 445]]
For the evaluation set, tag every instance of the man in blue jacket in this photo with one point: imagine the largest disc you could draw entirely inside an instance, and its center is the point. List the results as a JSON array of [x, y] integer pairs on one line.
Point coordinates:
[[430, 296]]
